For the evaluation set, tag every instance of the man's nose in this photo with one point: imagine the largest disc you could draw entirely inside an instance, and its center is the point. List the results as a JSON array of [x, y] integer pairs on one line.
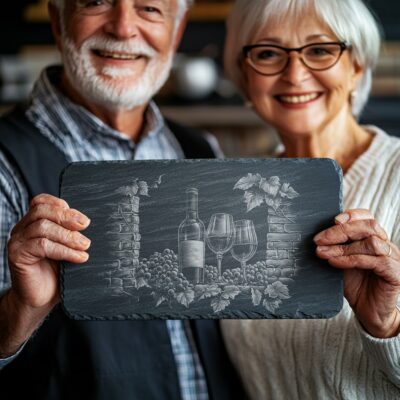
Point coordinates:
[[296, 72], [123, 20]]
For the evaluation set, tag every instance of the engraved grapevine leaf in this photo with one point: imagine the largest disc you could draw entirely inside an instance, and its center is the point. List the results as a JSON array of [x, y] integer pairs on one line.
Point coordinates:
[[219, 304], [271, 306], [160, 300], [230, 292], [253, 199], [207, 291], [248, 181], [269, 201], [271, 187], [141, 282], [256, 296], [277, 290], [185, 298], [288, 191]]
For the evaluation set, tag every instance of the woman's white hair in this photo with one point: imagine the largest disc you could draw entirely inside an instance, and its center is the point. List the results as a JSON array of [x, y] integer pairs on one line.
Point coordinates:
[[350, 20], [183, 5]]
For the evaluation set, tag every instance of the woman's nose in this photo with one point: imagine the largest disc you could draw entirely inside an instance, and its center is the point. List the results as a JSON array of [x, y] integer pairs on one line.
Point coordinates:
[[296, 72], [123, 20]]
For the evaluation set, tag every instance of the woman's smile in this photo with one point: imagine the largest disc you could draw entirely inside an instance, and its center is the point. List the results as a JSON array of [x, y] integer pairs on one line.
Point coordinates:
[[297, 100]]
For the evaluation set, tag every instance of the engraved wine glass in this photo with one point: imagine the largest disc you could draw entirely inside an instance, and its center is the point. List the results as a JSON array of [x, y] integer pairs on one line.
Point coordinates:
[[219, 237], [244, 243]]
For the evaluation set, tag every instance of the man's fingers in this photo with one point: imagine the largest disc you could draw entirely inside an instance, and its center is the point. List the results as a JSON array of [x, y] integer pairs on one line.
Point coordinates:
[[66, 217], [45, 228], [372, 245], [356, 230], [48, 199], [41, 248]]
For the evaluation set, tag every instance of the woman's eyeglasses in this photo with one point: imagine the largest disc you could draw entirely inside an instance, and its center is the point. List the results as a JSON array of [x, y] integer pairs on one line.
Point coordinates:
[[272, 60]]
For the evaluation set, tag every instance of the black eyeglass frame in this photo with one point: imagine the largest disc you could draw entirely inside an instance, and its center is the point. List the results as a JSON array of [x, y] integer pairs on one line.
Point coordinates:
[[246, 49]]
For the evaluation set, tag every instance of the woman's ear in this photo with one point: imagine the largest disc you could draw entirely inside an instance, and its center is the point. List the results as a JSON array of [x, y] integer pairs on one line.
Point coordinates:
[[244, 81], [357, 74]]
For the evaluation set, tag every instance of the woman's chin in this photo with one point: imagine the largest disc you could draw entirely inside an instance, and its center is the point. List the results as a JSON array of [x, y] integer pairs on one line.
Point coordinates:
[[297, 127]]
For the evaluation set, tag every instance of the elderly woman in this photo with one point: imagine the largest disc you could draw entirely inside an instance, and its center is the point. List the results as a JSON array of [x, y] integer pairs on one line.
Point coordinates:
[[306, 67]]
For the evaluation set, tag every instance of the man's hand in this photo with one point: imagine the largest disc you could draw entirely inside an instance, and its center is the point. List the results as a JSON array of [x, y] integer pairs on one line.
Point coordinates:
[[47, 234], [371, 264]]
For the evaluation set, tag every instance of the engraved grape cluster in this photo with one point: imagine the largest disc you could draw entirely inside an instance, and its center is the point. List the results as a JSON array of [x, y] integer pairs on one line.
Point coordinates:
[[161, 272], [257, 274]]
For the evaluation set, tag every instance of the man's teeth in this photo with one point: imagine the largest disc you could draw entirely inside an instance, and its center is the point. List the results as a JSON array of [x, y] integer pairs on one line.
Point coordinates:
[[298, 99], [118, 56]]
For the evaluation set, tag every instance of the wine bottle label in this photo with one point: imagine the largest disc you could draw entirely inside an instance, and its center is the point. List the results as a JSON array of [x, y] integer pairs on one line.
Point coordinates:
[[192, 253]]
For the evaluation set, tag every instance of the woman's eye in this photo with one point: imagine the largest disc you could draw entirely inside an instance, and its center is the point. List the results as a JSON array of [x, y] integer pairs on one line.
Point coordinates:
[[266, 55], [319, 51]]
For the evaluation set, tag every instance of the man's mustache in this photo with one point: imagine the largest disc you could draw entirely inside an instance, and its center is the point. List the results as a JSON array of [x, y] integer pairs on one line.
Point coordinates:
[[131, 46]]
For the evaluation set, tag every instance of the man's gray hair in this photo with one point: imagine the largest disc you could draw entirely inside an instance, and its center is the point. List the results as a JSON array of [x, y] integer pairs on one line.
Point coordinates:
[[183, 6], [350, 20]]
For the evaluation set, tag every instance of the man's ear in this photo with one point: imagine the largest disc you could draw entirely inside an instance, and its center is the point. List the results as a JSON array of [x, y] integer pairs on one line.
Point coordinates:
[[55, 21], [180, 30]]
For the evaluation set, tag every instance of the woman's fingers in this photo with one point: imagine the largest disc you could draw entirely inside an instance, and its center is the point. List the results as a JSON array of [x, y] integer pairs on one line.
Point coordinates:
[[358, 214], [372, 245], [350, 231], [385, 267]]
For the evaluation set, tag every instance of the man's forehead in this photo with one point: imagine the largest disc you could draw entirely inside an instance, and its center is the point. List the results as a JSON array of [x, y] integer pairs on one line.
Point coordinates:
[[164, 3]]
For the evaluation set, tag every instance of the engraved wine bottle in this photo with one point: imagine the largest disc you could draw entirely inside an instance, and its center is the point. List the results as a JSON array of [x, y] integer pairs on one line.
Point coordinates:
[[191, 237]]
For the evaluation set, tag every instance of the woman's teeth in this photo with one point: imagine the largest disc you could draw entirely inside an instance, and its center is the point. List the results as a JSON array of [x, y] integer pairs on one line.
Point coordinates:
[[298, 99]]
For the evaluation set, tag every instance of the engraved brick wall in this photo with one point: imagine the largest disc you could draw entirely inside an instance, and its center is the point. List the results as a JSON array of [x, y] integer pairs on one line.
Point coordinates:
[[283, 238]]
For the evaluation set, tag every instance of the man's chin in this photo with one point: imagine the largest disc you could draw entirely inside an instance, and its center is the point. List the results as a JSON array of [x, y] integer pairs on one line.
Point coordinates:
[[117, 95]]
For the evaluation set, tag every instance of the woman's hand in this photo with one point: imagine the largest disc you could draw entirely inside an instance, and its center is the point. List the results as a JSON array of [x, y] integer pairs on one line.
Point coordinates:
[[371, 264]]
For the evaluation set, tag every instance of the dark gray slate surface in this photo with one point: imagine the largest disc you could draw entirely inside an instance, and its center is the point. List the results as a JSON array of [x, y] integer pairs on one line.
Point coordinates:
[[137, 207]]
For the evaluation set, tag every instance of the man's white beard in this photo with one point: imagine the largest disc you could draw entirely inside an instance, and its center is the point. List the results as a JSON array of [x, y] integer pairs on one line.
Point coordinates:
[[106, 87]]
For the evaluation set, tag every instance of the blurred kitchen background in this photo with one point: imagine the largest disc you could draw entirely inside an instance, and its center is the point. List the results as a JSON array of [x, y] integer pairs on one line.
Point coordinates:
[[197, 93]]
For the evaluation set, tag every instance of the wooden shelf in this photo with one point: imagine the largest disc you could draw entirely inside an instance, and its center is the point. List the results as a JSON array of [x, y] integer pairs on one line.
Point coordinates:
[[201, 11], [37, 12]]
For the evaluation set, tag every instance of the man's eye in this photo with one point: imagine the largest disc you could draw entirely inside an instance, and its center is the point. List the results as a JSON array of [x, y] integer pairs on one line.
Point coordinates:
[[152, 13], [151, 10], [91, 3]]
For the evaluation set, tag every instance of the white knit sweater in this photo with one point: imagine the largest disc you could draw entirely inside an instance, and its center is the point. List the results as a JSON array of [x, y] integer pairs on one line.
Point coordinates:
[[329, 359]]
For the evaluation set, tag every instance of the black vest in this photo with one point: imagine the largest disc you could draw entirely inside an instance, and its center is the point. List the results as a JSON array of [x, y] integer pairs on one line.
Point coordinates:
[[122, 360]]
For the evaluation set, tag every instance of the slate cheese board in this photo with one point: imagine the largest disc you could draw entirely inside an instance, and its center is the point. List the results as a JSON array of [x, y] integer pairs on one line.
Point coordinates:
[[212, 239]]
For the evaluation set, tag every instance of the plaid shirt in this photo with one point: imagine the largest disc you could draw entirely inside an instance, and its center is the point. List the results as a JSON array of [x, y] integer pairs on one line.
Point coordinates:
[[83, 137]]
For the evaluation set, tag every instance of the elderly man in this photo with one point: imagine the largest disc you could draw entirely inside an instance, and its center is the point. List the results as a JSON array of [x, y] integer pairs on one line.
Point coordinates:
[[116, 55]]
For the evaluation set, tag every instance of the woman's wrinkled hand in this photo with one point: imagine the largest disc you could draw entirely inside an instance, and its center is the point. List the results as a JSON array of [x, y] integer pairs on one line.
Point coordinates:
[[358, 245]]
